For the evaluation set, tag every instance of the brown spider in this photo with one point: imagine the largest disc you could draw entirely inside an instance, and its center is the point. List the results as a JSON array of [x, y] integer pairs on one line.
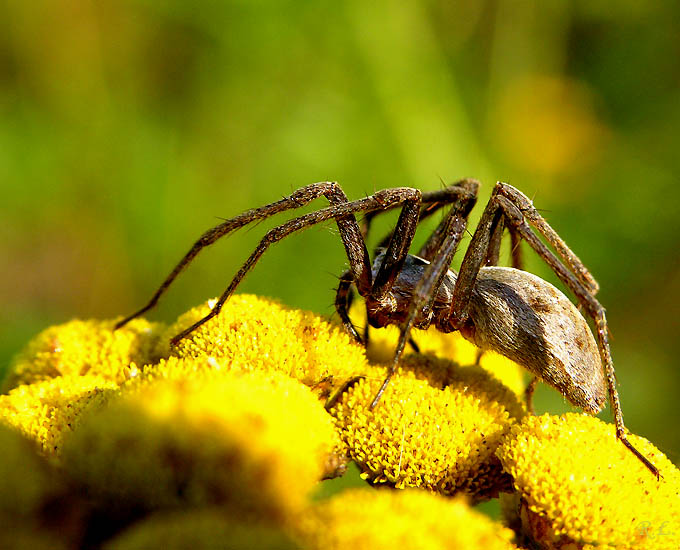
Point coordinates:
[[505, 309]]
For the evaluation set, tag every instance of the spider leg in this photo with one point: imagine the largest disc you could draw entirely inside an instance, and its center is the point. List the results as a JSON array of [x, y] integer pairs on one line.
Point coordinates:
[[366, 334], [395, 256], [343, 301], [526, 207], [397, 249], [517, 210], [340, 211], [515, 248], [494, 249], [463, 190], [475, 257], [449, 234], [492, 259], [584, 287], [299, 198], [529, 394], [518, 263], [431, 202]]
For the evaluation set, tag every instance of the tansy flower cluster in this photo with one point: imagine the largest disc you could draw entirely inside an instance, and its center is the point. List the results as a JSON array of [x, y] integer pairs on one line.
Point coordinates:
[[117, 440]]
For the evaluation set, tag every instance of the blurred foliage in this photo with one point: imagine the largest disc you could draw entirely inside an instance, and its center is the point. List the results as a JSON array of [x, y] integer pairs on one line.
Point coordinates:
[[127, 128]]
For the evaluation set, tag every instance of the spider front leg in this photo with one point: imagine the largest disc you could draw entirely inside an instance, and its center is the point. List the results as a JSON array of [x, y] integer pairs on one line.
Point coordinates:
[[432, 201], [343, 301], [442, 245], [342, 211], [331, 190], [518, 212], [343, 304], [393, 260]]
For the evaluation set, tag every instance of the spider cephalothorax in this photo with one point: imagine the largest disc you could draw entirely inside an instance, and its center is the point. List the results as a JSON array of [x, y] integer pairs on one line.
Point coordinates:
[[504, 309]]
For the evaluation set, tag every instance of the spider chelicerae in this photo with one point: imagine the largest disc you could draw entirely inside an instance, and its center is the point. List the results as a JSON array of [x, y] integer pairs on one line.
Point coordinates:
[[505, 309]]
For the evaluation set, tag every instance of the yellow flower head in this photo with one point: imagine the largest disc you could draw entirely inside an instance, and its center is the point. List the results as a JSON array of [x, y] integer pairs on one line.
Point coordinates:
[[202, 529], [199, 371], [261, 334], [252, 441], [437, 426], [85, 347], [361, 519], [579, 486], [382, 343], [46, 411]]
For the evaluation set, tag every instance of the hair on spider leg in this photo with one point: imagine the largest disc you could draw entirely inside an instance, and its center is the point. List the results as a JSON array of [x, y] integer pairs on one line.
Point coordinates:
[[442, 182], [504, 309]]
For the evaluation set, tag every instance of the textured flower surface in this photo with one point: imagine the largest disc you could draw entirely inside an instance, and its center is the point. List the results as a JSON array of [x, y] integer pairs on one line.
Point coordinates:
[[578, 485], [221, 442], [46, 411], [85, 347], [250, 440], [261, 334], [437, 426], [383, 519], [452, 346]]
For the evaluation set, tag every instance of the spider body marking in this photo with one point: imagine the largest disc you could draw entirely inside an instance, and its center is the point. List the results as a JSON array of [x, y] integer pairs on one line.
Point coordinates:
[[504, 309]]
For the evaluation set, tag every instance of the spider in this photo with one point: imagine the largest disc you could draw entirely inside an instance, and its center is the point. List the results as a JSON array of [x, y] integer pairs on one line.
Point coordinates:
[[504, 309]]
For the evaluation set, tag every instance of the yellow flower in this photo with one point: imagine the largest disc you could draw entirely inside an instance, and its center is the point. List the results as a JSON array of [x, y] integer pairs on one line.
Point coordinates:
[[251, 441], [202, 529], [362, 519], [263, 335], [579, 486], [229, 424], [46, 411], [437, 426], [382, 343], [199, 371], [85, 347]]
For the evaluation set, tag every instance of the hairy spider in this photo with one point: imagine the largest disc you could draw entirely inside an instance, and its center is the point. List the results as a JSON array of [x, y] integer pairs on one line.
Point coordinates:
[[505, 309]]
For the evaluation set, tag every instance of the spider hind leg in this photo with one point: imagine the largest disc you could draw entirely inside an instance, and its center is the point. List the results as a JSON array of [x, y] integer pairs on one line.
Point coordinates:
[[519, 213]]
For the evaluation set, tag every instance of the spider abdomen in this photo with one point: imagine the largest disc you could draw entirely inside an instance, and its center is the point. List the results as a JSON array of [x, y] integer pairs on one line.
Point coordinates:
[[514, 313], [528, 320]]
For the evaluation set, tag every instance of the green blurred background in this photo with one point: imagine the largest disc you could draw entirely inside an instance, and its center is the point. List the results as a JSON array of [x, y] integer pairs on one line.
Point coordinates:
[[127, 128]]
